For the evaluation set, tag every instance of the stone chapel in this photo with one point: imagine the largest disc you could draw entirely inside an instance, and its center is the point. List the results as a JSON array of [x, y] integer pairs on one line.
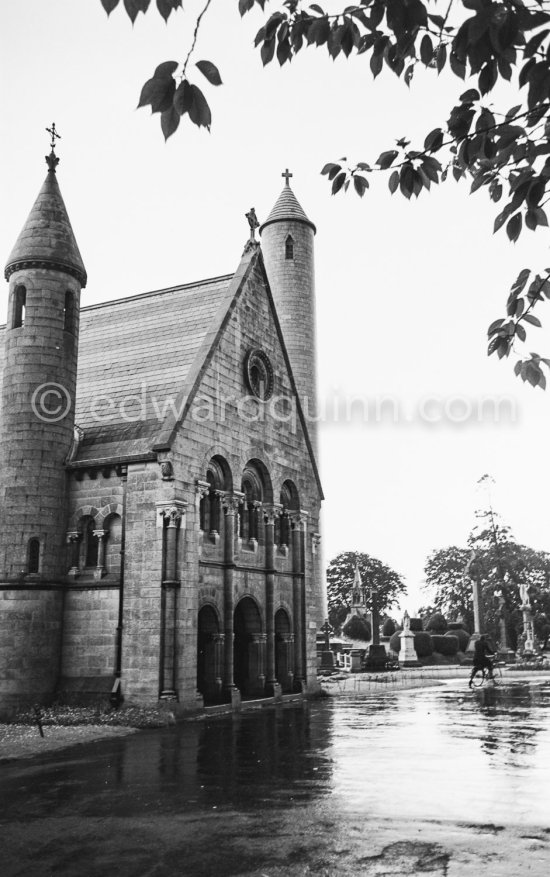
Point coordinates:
[[159, 488]]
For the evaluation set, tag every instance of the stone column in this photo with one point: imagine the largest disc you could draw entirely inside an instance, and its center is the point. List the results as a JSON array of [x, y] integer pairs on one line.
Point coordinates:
[[257, 662], [286, 671], [219, 641], [173, 516], [73, 540], [270, 513], [298, 599], [202, 489], [99, 571], [230, 502]]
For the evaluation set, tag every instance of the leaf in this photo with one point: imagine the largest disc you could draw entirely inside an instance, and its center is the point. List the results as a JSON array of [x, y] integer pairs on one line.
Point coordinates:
[[361, 185], [494, 326], [267, 51], [134, 7], [210, 72], [166, 69], [534, 321], [183, 98], [393, 182], [521, 281], [376, 63], [426, 50], [245, 6], [338, 182], [513, 227], [169, 121], [434, 140], [159, 93], [166, 7], [386, 159], [199, 111], [441, 58], [109, 5]]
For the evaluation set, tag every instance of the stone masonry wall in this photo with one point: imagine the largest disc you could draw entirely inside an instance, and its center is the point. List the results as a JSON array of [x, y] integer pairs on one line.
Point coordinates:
[[30, 632]]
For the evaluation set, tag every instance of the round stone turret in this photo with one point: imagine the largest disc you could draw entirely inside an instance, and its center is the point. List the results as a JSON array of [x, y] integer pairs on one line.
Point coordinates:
[[45, 272], [287, 238]]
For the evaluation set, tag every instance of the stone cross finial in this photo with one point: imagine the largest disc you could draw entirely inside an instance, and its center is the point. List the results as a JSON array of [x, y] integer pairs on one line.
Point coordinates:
[[287, 175], [52, 160]]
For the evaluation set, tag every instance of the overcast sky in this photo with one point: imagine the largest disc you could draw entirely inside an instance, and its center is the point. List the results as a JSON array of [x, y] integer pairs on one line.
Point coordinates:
[[405, 291]]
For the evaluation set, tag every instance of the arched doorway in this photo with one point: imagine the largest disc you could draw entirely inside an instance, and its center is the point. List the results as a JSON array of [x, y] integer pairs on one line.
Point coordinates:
[[248, 649], [209, 655], [284, 651]]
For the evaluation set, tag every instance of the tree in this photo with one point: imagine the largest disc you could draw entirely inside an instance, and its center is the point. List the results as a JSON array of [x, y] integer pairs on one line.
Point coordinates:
[[486, 43], [501, 566], [380, 583]]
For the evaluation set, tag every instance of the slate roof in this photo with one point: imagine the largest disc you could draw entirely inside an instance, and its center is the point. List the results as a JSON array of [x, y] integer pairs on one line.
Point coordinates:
[[151, 351], [47, 236], [143, 347], [287, 207]]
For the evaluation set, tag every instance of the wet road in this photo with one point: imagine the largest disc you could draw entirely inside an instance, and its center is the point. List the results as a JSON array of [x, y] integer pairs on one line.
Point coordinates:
[[432, 781]]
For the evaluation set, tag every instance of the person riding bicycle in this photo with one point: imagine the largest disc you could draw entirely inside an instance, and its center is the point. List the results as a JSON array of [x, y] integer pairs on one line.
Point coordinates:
[[482, 651]]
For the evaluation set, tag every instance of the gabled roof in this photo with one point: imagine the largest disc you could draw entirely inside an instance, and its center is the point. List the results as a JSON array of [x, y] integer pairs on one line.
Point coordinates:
[[141, 362], [47, 238], [134, 356], [252, 258], [287, 207]]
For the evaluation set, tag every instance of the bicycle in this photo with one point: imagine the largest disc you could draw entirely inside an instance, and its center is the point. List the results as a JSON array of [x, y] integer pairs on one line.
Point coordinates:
[[482, 675]]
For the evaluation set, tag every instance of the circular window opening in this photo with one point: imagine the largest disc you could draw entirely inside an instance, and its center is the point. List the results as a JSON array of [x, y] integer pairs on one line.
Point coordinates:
[[259, 374]]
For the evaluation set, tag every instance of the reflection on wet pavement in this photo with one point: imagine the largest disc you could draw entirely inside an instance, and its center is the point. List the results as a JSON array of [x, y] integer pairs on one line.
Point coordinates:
[[442, 755]]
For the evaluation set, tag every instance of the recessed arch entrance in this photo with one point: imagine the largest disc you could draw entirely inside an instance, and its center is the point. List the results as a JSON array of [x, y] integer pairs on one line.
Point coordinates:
[[209, 655], [284, 650], [248, 649]]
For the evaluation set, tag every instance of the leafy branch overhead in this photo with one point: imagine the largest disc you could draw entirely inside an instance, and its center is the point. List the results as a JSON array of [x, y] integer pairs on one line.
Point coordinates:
[[504, 150]]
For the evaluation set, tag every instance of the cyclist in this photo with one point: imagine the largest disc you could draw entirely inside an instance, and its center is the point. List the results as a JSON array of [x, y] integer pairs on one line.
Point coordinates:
[[482, 651]]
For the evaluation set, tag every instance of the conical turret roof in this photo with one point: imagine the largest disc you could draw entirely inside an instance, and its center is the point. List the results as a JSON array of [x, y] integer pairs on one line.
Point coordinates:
[[287, 207], [47, 239]]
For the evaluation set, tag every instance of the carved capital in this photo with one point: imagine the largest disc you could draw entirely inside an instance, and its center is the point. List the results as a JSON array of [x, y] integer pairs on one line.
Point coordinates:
[[271, 512], [298, 518], [73, 536], [231, 501], [171, 514], [202, 488], [99, 534]]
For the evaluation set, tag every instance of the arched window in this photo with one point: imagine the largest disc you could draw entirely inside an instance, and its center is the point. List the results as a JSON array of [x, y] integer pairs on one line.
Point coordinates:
[[69, 312], [19, 305], [90, 542], [113, 543], [218, 476], [289, 247], [34, 556], [252, 487], [290, 501]]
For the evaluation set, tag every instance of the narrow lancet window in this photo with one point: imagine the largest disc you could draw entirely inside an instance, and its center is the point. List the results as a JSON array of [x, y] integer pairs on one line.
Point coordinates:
[[34, 556], [289, 247], [69, 312], [19, 305]]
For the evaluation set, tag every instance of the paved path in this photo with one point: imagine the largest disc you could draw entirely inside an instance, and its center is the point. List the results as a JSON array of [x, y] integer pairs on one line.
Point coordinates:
[[435, 781]]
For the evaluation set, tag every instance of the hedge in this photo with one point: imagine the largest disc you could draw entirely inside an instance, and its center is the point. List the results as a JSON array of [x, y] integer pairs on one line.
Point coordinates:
[[423, 644], [357, 628], [416, 624], [462, 636], [388, 628], [445, 645], [395, 642], [457, 625], [437, 623]]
